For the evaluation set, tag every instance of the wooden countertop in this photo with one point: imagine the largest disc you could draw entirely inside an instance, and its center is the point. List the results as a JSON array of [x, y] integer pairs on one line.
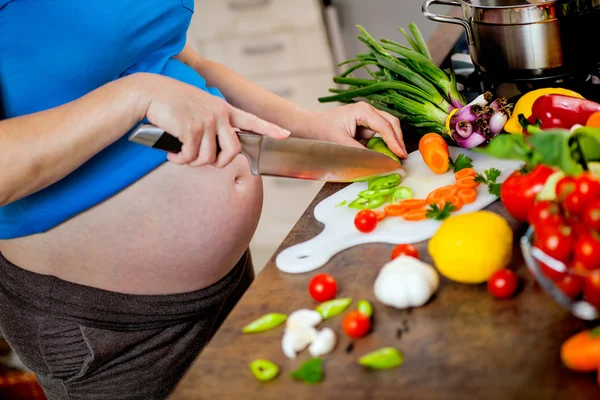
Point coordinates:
[[463, 344]]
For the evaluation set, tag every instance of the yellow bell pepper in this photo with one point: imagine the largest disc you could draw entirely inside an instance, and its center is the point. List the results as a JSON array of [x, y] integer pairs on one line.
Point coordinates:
[[525, 103]]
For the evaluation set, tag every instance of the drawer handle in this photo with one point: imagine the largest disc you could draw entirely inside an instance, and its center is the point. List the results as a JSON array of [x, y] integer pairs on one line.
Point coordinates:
[[268, 48], [245, 5], [286, 93]]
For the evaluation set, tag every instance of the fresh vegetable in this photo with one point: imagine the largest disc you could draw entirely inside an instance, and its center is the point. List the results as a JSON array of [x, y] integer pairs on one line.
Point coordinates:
[[545, 213], [310, 371], [380, 215], [571, 285], [467, 182], [365, 221], [503, 283], [341, 203], [381, 190], [378, 144], [356, 324], [323, 343], [440, 194], [303, 318], [470, 247], [331, 308], [525, 104], [594, 120], [577, 192], [365, 308], [395, 210], [364, 203], [581, 352], [385, 182], [434, 150], [549, 190], [587, 250], [591, 290], [322, 287], [555, 241], [413, 204], [265, 323], [463, 173], [405, 282], [591, 215], [384, 358], [264, 370], [438, 212], [453, 201], [519, 191], [415, 215], [467, 196], [405, 250], [409, 85], [491, 175], [401, 193], [300, 331], [560, 111], [461, 163]]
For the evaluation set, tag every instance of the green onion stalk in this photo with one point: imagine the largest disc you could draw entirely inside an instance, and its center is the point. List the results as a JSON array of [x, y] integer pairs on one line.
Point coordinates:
[[405, 82]]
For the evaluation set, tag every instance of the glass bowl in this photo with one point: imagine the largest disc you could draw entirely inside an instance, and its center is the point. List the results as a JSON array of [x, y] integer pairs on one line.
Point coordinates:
[[533, 256]]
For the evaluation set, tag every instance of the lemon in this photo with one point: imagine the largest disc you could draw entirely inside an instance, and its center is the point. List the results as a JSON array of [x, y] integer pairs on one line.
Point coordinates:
[[469, 248]]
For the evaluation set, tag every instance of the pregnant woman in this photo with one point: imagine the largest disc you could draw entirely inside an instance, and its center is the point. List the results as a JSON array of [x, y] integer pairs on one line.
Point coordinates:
[[119, 261]]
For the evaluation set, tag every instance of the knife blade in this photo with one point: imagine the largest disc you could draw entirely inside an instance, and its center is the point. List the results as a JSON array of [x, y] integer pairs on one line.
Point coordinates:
[[290, 158]]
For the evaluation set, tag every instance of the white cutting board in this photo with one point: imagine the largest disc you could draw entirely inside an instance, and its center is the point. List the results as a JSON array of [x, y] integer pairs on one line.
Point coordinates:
[[340, 233]]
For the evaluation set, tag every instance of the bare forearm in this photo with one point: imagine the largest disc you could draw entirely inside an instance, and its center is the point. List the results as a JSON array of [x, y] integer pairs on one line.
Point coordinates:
[[42, 148]]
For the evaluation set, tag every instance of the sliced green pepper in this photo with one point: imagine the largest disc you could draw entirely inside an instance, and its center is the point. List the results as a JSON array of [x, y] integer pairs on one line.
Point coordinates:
[[384, 358], [401, 193], [365, 308], [363, 203], [369, 194], [331, 308], [264, 370], [378, 144], [341, 203], [265, 323], [385, 182]]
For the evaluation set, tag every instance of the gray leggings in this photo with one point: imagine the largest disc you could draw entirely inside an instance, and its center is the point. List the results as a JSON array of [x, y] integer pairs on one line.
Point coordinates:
[[87, 343]]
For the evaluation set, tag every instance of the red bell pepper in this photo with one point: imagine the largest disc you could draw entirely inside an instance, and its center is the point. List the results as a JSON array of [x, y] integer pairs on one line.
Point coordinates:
[[559, 111]]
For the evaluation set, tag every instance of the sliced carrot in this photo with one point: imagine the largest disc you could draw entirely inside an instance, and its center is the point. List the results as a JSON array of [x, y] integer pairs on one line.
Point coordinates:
[[454, 200], [380, 215], [395, 210], [412, 204], [467, 196], [468, 182], [418, 214], [441, 193], [464, 173]]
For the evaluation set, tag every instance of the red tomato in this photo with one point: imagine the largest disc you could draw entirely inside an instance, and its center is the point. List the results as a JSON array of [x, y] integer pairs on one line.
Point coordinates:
[[355, 324], [591, 215], [587, 187], [578, 227], [503, 284], [405, 249], [565, 186], [587, 250], [551, 273], [557, 242], [544, 213], [365, 221], [571, 285], [322, 287], [576, 193], [591, 292], [519, 191]]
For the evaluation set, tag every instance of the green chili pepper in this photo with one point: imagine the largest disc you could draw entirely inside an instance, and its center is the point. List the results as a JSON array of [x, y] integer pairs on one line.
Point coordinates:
[[369, 194], [379, 145], [385, 182], [365, 308], [334, 307], [384, 358], [401, 193], [363, 203], [264, 370], [341, 203], [265, 323]]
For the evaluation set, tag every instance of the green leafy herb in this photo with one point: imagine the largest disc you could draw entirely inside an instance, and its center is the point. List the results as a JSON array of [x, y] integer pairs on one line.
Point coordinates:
[[461, 162], [595, 332], [310, 371], [341, 203], [434, 211], [491, 175]]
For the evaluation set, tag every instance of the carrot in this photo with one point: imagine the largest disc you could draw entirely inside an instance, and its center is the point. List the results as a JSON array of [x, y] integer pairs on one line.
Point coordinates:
[[434, 150], [395, 210], [594, 120], [412, 204], [441, 193], [581, 352], [468, 182], [464, 173], [417, 214], [380, 215], [452, 199], [467, 195], [431, 138]]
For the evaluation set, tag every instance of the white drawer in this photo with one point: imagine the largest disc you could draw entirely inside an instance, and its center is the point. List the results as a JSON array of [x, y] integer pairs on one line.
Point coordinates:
[[303, 90], [227, 18], [263, 56]]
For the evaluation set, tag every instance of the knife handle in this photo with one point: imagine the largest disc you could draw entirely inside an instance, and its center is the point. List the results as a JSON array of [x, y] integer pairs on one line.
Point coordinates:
[[152, 136]]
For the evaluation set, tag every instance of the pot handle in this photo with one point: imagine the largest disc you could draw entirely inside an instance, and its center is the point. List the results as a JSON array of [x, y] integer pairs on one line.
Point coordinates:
[[447, 19]]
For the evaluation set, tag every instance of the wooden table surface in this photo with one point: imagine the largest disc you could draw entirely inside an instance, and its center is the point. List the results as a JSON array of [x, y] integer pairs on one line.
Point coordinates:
[[462, 344]]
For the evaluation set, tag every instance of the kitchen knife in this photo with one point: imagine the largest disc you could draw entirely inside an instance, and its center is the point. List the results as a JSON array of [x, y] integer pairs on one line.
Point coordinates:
[[291, 158]]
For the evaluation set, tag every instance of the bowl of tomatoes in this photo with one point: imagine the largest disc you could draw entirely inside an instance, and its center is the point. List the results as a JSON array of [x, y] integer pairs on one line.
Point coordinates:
[[562, 245]]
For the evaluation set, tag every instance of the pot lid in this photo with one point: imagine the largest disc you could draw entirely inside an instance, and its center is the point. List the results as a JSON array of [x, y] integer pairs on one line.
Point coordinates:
[[505, 3]]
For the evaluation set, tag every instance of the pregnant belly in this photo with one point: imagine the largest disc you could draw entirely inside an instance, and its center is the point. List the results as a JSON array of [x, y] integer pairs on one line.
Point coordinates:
[[176, 230]]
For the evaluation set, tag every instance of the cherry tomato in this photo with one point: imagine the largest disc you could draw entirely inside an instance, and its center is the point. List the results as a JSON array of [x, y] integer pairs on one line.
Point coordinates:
[[556, 242], [503, 284], [365, 221], [587, 250], [591, 215], [587, 187], [591, 292], [520, 189], [405, 249], [573, 204], [545, 213], [551, 273], [578, 227], [322, 287], [355, 324], [576, 193], [565, 186], [572, 285]]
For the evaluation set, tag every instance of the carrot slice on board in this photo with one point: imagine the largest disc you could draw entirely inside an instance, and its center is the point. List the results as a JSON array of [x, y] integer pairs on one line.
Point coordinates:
[[454, 200], [441, 193], [464, 173], [429, 138], [412, 204], [436, 158], [467, 196], [468, 182], [380, 215], [418, 214], [395, 210]]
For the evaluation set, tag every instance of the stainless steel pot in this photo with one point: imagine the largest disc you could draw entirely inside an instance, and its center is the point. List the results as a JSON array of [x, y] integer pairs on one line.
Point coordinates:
[[520, 39]]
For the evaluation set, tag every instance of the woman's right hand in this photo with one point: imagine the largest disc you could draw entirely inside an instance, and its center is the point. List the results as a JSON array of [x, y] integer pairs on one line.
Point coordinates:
[[198, 119]]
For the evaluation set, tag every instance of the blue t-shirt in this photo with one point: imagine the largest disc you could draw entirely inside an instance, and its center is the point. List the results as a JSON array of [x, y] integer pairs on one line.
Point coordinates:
[[55, 51]]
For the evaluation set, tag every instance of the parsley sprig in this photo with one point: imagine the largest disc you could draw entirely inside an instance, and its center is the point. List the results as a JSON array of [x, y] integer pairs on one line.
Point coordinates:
[[434, 211], [461, 162], [490, 180], [310, 371]]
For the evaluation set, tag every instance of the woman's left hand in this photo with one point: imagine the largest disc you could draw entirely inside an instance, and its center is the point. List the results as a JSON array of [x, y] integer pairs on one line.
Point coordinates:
[[348, 123]]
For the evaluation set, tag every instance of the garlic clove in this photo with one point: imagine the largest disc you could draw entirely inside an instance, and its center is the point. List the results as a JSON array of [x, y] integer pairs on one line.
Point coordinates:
[[303, 318], [323, 343], [296, 340]]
